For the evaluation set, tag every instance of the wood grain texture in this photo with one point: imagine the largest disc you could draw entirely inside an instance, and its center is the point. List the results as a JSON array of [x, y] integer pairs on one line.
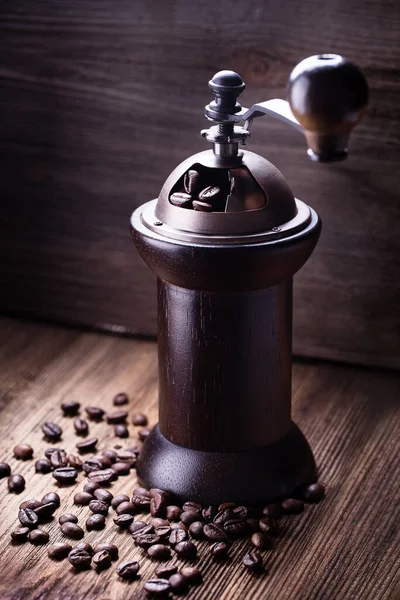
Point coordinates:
[[100, 101], [347, 547]]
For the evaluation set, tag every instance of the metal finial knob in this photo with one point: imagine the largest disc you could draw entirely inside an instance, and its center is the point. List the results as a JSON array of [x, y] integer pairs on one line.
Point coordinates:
[[226, 87]]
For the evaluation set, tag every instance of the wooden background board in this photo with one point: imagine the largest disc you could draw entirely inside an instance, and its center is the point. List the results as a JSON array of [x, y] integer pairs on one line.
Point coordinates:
[[101, 100], [347, 547]]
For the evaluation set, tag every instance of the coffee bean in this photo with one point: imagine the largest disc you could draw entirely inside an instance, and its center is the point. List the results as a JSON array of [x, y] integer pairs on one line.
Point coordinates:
[[80, 559], [52, 431], [92, 464], [226, 505], [292, 506], [215, 533], [111, 455], [121, 468], [23, 451], [189, 517], [116, 417], [121, 431], [88, 445], [32, 504], [177, 536], [236, 527], [141, 491], [165, 572], [179, 526], [98, 507], [192, 507], [84, 546], [173, 513], [103, 477], [16, 483], [143, 433], [223, 515], [241, 512], [145, 540], [202, 206], [59, 550], [67, 518], [192, 574], [49, 451], [196, 529], [252, 560], [95, 413], [51, 497], [179, 584], [70, 408], [81, 427], [141, 502], [102, 560], [313, 492], [158, 522], [273, 511], [75, 461], [186, 550], [210, 194], [20, 534], [260, 540], [43, 465], [209, 513], [163, 532], [157, 587], [58, 459], [159, 552], [72, 530], [128, 569], [140, 420], [265, 524], [192, 182], [121, 399], [158, 505], [181, 199], [45, 511], [96, 521], [110, 548], [38, 537], [65, 475], [154, 491], [117, 500], [220, 550], [5, 470], [82, 498], [103, 495], [123, 521], [140, 527], [126, 508], [28, 518]]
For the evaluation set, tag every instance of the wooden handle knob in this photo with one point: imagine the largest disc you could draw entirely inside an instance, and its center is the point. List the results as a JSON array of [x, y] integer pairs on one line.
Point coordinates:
[[328, 96]]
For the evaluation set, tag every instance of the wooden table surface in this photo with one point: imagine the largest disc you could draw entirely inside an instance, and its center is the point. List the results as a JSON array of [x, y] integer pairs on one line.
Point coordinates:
[[347, 547]]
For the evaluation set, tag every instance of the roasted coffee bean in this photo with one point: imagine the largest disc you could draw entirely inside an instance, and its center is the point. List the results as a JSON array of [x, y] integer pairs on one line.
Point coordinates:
[[121, 431], [45, 511], [117, 500], [313, 492], [98, 507], [196, 529], [88, 445], [215, 533], [65, 475], [158, 505], [5, 470], [177, 536], [23, 451], [82, 498], [192, 507], [43, 465], [202, 206], [52, 431], [59, 551], [157, 587], [51, 497], [32, 504], [209, 513], [236, 527], [189, 517], [141, 502], [103, 495], [128, 569], [95, 413], [226, 505], [139, 528], [260, 540], [186, 550], [121, 468], [273, 511], [67, 518], [145, 540], [253, 560], [241, 512], [123, 521], [116, 417], [16, 483], [84, 546], [173, 512], [163, 532], [181, 199], [72, 530], [179, 526], [292, 506], [28, 518], [102, 560], [143, 433], [103, 477], [265, 525], [223, 515], [49, 451], [140, 420], [121, 399], [179, 584], [192, 182], [70, 408], [110, 548], [20, 534], [210, 194], [38, 537], [96, 521], [165, 572], [81, 426], [125, 456], [80, 559], [126, 508], [141, 491], [154, 491], [92, 464], [111, 455], [220, 550], [159, 552], [58, 459], [75, 461], [192, 574], [158, 522]]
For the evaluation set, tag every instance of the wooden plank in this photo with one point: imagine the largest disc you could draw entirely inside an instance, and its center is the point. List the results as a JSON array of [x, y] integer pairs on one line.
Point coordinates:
[[347, 547], [101, 101]]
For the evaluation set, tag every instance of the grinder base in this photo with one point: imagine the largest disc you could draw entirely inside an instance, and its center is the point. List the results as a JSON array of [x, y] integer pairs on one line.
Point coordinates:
[[253, 477]]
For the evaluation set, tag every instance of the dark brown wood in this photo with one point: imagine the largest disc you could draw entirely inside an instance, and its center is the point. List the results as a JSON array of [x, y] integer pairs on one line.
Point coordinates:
[[347, 547], [87, 134]]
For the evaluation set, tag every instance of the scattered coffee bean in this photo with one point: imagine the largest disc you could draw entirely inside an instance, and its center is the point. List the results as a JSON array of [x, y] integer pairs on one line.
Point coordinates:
[[81, 426], [196, 529], [45, 511], [145, 540], [43, 465], [121, 399], [95, 413], [192, 574], [23, 451], [178, 526], [59, 550], [52, 431], [5, 470], [179, 584], [241, 512], [215, 533], [123, 521], [139, 527], [65, 475], [84, 546], [158, 522], [32, 504], [121, 468], [51, 497], [103, 477], [126, 508], [67, 518], [209, 513], [121, 431], [314, 492], [192, 507], [260, 540], [111, 455], [117, 500], [70, 408], [92, 464], [181, 199], [159, 552], [220, 550], [141, 502], [165, 572], [252, 524], [223, 515], [38, 537], [265, 525], [140, 420], [98, 507], [28, 518], [225, 505], [82, 498], [173, 512], [20, 534], [273, 511], [189, 517], [88, 445], [292, 506], [128, 569], [58, 459], [80, 559], [158, 505], [186, 550], [103, 495], [141, 491], [192, 182], [102, 560], [143, 433], [236, 527], [110, 548], [16, 484], [252, 560], [157, 587], [202, 206], [90, 487], [177, 536], [72, 530], [75, 461], [116, 417], [49, 451]]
